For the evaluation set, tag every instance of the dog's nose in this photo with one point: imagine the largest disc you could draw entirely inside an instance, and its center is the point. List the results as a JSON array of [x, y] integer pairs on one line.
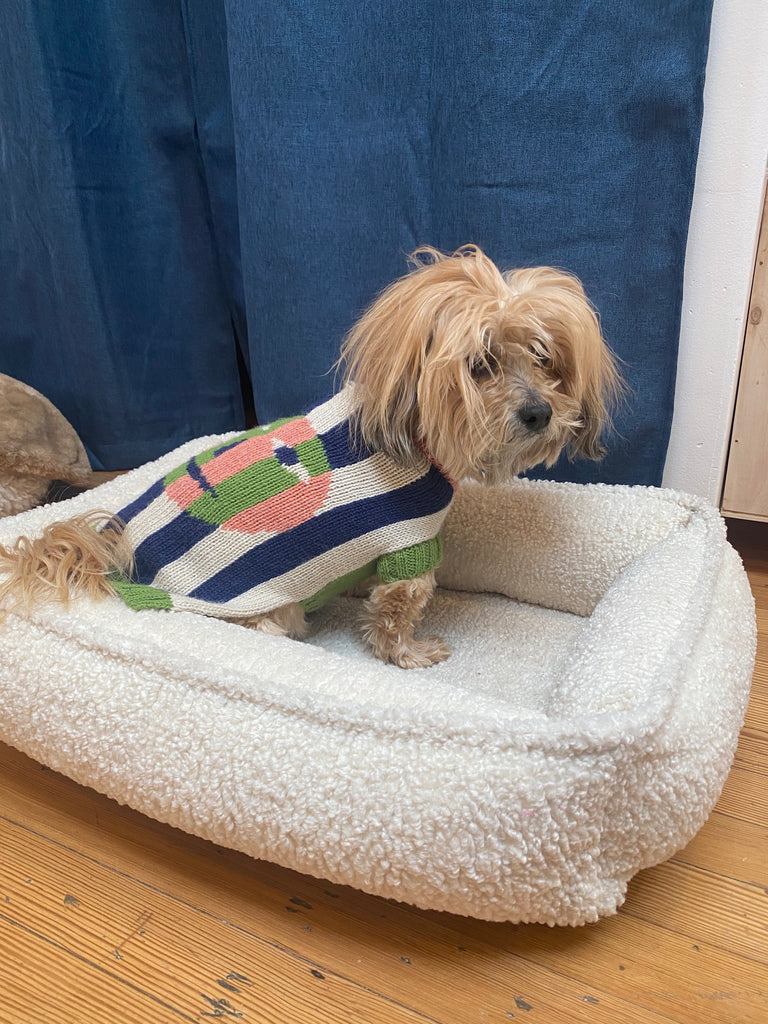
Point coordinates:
[[535, 415]]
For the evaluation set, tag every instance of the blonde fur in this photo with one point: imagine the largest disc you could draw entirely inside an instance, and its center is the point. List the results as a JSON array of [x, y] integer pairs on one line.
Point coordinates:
[[489, 373], [288, 620], [389, 617], [75, 556], [446, 357]]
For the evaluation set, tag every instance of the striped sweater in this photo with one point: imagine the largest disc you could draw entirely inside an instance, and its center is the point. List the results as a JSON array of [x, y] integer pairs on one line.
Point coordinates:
[[295, 511]]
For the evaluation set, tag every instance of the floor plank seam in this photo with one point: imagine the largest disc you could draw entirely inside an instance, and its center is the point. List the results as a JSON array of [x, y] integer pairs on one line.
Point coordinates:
[[96, 967]]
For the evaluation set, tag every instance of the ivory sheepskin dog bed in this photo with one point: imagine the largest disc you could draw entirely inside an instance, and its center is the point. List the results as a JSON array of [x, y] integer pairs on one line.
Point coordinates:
[[603, 645]]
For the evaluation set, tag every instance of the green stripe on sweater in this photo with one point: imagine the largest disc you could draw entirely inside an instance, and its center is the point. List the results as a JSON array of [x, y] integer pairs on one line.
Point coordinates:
[[408, 563], [139, 596], [338, 586], [400, 565]]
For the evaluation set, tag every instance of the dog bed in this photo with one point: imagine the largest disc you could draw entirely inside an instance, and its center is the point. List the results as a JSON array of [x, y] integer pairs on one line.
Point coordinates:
[[603, 644]]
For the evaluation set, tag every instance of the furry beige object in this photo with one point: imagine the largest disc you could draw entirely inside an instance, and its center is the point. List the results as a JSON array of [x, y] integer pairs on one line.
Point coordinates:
[[37, 445]]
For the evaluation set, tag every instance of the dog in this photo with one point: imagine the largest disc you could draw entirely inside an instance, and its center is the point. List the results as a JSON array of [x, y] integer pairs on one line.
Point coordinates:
[[456, 371]]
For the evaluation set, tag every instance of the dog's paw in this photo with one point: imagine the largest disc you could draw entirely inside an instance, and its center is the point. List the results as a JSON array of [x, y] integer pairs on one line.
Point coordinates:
[[419, 653]]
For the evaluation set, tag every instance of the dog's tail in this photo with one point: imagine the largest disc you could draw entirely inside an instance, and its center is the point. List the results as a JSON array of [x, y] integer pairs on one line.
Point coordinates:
[[76, 556]]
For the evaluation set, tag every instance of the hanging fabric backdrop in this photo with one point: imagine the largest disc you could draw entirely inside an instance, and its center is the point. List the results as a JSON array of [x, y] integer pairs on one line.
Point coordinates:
[[199, 196]]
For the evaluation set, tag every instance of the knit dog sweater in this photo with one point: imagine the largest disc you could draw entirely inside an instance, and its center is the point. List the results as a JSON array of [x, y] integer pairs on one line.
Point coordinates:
[[295, 511]]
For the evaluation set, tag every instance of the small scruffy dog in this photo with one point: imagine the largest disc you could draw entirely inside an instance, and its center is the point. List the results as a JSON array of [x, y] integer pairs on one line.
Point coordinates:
[[456, 371]]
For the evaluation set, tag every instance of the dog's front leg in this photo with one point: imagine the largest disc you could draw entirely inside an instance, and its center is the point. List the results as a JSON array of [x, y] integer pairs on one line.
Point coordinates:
[[391, 612]]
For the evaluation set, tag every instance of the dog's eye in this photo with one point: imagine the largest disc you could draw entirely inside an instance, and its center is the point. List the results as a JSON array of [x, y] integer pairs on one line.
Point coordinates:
[[479, 368], [541, 356]]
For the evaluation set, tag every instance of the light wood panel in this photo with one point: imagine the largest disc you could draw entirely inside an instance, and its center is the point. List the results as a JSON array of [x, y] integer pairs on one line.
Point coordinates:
[[746, 479], [108, 916]]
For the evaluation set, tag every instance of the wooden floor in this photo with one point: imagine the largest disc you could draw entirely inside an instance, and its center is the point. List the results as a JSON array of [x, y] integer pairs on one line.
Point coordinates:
[[108, 916]]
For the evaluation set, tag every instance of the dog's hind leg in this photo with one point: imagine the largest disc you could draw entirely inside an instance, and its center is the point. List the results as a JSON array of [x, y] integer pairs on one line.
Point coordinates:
[[289, 620]]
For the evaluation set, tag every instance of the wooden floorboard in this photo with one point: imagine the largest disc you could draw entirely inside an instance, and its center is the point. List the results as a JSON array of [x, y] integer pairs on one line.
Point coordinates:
[[108, 916]]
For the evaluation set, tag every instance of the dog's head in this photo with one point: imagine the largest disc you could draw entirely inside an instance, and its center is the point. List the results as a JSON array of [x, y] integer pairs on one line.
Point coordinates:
[[489, 373]]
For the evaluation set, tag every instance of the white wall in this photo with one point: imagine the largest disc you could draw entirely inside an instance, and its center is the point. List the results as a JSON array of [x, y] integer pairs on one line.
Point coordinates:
[[721, 242]]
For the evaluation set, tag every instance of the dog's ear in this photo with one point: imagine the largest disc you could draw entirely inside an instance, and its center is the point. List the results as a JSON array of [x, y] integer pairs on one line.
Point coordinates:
[[602, 389], [383, 355], [589, 369], [587, 437]]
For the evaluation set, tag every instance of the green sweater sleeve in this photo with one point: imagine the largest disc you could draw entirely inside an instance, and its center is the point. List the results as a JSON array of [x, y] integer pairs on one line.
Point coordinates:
[[410, 562]]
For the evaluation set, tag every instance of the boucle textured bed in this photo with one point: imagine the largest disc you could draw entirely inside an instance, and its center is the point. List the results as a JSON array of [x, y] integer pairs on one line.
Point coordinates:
[[603, 644]]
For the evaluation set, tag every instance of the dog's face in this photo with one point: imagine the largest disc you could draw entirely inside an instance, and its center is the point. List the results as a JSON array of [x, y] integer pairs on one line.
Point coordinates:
[[489, 373]]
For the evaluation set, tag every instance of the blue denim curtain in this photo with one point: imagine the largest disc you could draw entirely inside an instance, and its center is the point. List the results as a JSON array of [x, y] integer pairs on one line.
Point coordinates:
[[199, 196]]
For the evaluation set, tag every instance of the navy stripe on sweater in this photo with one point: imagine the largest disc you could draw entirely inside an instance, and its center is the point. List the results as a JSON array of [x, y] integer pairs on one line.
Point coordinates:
[[423, 497], [143, 501], [340, 448], [286, 551], [175, 538], [166, 544]]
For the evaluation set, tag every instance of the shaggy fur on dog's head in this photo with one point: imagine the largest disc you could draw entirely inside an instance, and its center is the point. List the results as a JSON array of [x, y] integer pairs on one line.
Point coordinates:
[[489, 373]]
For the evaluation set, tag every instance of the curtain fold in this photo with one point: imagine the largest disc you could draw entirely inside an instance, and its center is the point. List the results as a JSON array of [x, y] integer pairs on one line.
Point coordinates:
[[201, 194], [112, 299]]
